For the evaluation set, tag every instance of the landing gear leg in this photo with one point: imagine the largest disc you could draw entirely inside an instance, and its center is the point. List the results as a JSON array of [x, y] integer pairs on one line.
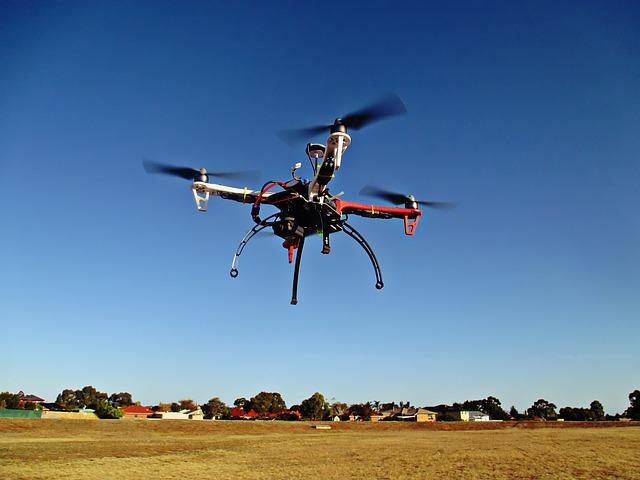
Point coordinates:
[[326, 246], [296, 271], [257, 228], [353, 233]]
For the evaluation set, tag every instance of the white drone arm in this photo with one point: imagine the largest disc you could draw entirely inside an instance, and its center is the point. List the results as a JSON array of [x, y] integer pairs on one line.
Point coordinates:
[[337, 143], [202, 191]]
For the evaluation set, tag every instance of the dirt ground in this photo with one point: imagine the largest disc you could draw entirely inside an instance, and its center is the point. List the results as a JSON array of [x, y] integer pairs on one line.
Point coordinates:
[[137, 449]]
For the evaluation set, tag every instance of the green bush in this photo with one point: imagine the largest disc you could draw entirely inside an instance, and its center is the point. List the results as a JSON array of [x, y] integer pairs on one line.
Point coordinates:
[[106, 411]]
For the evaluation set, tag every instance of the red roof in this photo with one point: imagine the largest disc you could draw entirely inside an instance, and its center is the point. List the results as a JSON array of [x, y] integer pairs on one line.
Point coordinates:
[[136, 409], [292, 412], [31, 398], [240, 413]]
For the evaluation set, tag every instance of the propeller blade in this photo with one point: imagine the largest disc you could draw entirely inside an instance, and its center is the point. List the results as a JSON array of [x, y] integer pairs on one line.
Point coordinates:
[[189, 173], [377, 192], [297, 135], [239, 175], [438, 205], [400, 199], [388, 106]]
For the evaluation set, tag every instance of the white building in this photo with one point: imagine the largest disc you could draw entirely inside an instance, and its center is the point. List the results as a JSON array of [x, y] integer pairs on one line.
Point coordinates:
[[181, 415], [473, 416]]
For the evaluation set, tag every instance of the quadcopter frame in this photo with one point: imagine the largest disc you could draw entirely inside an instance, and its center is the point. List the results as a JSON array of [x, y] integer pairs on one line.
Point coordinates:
[[306, 207], [303, 211]]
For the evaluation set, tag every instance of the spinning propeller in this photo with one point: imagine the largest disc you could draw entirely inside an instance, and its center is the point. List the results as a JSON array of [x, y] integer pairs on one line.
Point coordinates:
[[388, 106], [399, 198], [189, 173]]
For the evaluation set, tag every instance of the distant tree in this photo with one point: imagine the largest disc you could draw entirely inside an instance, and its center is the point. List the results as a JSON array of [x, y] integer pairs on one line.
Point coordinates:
[[633, 411], [9, 400], [294, 408], [67, 399], [385, 407], [513, 412], [162, 407], [122, 399], [597, 409], [476, 405], [268, 402], [30, 406], [567, 413], [575, 414], [175, 407], [215, 408], [107, 411], [187, 404], [87, 397], [361, 410], [243, 403], [338, 409], [445, 413], [446, 417], [313, 408], [543, 409], [492, 407]]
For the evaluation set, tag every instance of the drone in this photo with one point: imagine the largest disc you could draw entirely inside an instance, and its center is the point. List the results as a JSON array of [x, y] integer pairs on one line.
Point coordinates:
[[307, 207]]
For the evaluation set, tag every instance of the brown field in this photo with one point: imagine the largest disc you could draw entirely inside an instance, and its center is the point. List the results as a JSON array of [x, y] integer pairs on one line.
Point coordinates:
[[129, 449]]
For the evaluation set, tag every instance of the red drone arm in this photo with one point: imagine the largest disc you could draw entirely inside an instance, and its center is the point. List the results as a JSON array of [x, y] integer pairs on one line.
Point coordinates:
[[411, 216]]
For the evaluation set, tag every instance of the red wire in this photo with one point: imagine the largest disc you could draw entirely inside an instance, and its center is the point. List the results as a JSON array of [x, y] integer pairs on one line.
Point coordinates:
[[264, 190]]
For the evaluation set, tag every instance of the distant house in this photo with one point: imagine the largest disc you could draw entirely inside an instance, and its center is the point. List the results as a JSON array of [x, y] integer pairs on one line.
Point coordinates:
[[52, 407], [406, 414], [24, 399], [136, 411], [424, 415], [282, 415], [290, 415], [413, 414], [181, 415], [472, 416], [196, 414], [170, 416], [238, 413], [389, 414]]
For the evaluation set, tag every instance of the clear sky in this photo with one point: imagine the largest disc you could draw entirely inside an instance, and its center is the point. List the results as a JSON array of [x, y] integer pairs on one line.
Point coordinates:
[[526, 113]]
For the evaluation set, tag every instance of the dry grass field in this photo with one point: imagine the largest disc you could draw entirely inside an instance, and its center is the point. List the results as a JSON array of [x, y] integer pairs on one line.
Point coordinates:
[[75, 449]]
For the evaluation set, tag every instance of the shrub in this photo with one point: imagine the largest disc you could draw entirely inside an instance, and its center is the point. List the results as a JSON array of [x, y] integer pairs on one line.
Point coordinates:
[[106, 411]]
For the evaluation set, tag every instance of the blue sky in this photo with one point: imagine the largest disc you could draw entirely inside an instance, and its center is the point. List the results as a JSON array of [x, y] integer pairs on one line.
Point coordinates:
[[525, 113]]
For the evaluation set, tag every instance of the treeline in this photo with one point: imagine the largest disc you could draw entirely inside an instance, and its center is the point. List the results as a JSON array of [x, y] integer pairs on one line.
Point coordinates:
[[541, 409], [15, 401], [272, 405]]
